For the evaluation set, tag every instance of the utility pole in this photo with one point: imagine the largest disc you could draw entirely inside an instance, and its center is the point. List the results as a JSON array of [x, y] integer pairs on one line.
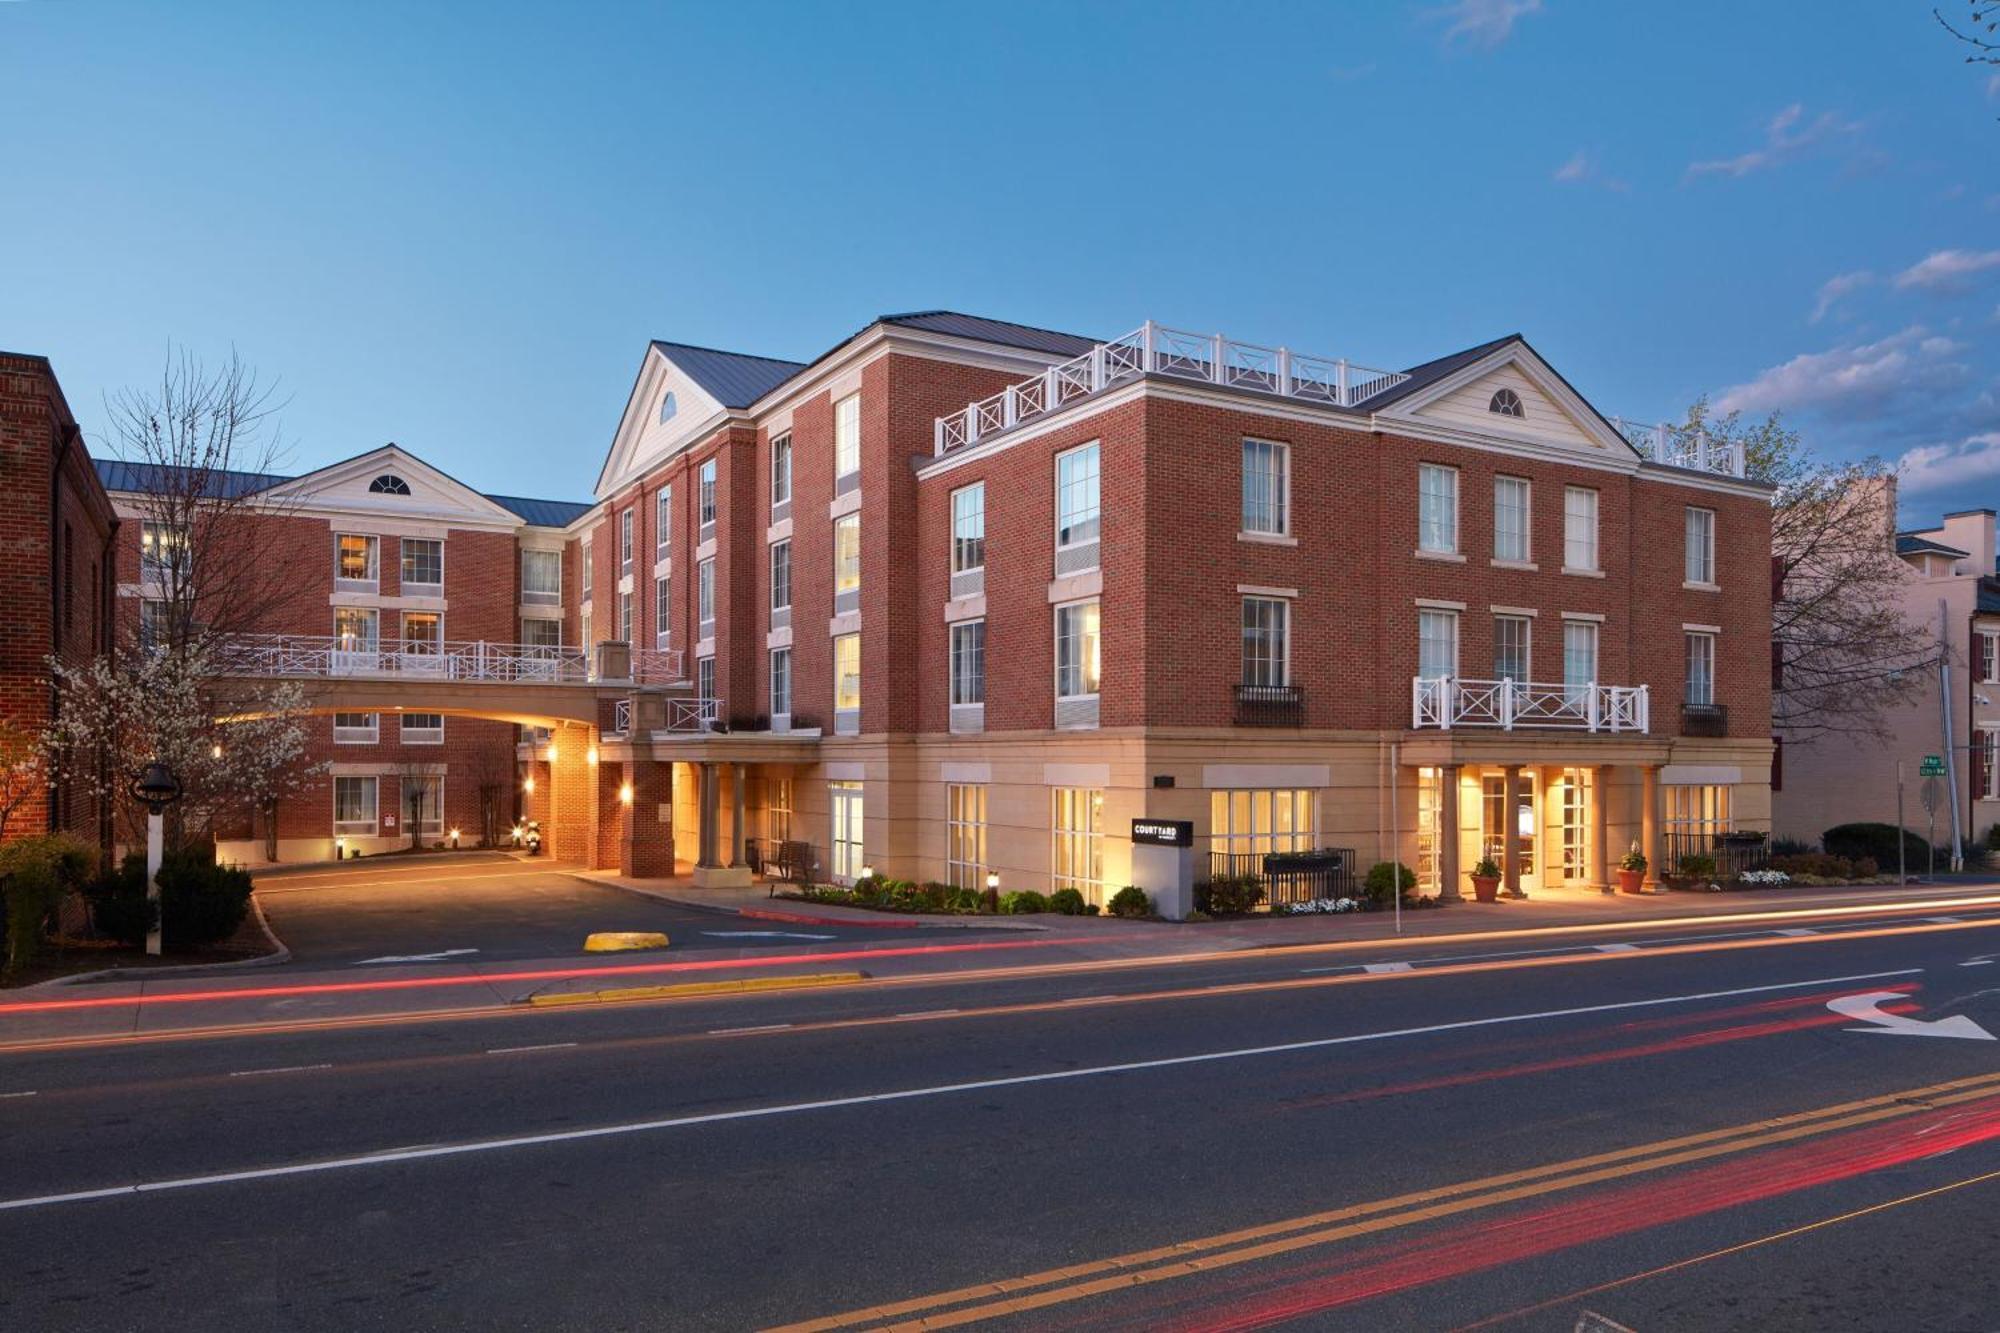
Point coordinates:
[[1902, 851]]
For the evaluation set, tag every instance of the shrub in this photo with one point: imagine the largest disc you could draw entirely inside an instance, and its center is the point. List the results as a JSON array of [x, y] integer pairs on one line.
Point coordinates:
[[1486, 868], [1229, 895], [1070, 903], [1697, 867], [35, 873], [1993, 838], [200, 902], [1818, 864], [1634, 859], [1791, 847], [1877, 841], [1131, 902], [1386, 877], [1022, 902]]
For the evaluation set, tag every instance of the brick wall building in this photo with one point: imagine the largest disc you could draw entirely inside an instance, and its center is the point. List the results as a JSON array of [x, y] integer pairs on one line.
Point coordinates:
[[56, 547]]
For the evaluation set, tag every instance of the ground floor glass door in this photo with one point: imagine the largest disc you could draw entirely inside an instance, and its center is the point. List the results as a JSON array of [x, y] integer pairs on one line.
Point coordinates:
[[1522, 823], [845, 798]]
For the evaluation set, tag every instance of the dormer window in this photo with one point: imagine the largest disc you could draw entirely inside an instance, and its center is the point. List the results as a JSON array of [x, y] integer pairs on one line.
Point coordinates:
[[1506, 402], [668, 407], [388, 484]]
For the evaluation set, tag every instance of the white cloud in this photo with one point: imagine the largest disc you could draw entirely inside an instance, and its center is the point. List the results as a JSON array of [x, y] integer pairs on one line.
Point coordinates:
[[1860, 380], [1993, 85], [1786, 136], [1834, 288], [1933, 467], [1582, 169], [1483, 23], [1949, 271]]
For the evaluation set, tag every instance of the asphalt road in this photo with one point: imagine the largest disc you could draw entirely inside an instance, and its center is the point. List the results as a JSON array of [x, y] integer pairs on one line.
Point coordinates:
[[1677, 1138], [489, 910]]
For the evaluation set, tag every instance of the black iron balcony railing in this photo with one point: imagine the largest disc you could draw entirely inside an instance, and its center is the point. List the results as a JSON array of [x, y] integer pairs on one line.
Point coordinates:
[[1270, 705], [1290, 877], [1704, 720]]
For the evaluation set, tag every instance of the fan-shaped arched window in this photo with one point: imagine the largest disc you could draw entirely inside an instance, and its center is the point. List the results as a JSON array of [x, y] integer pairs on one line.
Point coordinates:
[[389, 484], [1506, 402], [668, 407]]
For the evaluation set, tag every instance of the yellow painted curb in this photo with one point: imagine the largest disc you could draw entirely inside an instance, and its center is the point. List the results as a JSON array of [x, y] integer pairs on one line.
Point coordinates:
[[616, 941], [698, 988]]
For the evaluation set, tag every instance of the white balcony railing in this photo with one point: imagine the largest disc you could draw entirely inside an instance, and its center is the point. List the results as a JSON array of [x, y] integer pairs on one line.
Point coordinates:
[[1158, 350], [1678, 446], [1449, 702], [303, 655], [693, 714]]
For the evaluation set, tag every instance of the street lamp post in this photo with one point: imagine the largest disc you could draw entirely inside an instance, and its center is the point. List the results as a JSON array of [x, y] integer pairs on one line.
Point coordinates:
[[156, 788]]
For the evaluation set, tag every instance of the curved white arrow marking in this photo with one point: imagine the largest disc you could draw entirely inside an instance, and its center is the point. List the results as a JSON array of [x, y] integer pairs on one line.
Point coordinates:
[[437, 957], [764, 935], [1868, 1008]]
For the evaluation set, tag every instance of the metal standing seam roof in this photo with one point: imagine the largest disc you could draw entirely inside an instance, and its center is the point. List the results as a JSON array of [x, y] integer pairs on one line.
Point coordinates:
[[1908, 543], [1004, 333], [734, 379], [146, 478]]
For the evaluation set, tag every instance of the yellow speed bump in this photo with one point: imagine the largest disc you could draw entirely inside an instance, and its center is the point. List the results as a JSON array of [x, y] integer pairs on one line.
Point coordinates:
[[733, 987], [617, 941]]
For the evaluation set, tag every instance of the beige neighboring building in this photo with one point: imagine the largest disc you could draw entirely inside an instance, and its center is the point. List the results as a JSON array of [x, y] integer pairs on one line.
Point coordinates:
[[1952, 586]]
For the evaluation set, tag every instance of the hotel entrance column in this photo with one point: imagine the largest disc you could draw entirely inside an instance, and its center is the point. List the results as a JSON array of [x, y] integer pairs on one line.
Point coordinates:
[[708, 808], [1447, 817], [736, 772], [1649, 829], [1600, 828], [1510, 837]]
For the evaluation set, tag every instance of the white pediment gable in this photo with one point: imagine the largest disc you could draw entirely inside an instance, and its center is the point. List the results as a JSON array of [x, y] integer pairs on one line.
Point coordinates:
[[350, 487], [643, 439], [1554, 418]]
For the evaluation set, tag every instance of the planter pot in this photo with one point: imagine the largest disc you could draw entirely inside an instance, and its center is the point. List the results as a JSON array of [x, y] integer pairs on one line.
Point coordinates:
[[1631, 881], [1486, 889]]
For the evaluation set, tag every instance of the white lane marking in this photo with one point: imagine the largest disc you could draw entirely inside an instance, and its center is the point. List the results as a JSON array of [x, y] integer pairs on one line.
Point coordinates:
[[764, 935], [900, 1095], [1381, 968], [1795, 932], [1616, 948], [1978, 962], [761, 1027], [545, 1046], [1944, 920], [282, 1069], [4, 1096], [437, 957], [929, 1013], [1868, 1008]]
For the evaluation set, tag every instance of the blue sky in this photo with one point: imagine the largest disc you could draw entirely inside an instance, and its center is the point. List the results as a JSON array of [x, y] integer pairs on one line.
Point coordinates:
[[455, 226]]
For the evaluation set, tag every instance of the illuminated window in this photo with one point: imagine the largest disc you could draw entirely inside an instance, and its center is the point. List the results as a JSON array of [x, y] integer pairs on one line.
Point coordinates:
[[354, 558], [965, 836], [847, 436], [1255, 823], [1076, 859]]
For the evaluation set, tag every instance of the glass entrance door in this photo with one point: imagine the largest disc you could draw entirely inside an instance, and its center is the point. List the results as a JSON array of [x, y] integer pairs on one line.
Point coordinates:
[[1522, 823], [847, 856]]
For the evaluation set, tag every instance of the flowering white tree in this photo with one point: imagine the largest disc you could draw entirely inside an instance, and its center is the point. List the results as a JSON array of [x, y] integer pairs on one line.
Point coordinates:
[[237, 747]]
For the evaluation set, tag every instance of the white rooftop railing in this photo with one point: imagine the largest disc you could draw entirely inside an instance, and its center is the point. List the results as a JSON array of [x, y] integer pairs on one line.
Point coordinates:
[[303, 655], [1155, 349], [1677, 446]]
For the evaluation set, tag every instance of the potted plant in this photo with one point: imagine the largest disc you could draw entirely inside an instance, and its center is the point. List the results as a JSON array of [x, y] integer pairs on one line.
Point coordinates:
[[1632, 871], [1486, 880]]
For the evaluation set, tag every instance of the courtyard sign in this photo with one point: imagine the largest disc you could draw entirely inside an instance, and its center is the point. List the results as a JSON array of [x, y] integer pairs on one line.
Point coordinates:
[[1163, 832]]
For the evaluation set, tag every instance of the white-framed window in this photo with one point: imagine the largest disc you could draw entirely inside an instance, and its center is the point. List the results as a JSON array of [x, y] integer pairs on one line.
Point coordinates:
[[706, 487], [1437, 508], [704, 678], [1695, 815], [1579, 528], [1076, 859], [1437, 643], [152, 624], [1267, 484], [847, 674], [356, 629], [541, 632], [781, 476], [663, 522], [1987, 667], [968, 663], [541, 578], [627, 524], [421, 728], [585, 639], [1267, 623], [663, 611], [1700, 669], [589, 565], [423, 804], [965, 835], [704, 598], [1077, 653], [1579, 653], [1077, 516], [781, 576], [1257, 823], [356, 728], [162, 549], [423, 633], [968, 528], [847, 806], [847, 564], [625, 618], [356, 558], [1511, 648], [1505, 403], [1511, 499], [423, 562], [354, 804], [781, 682], [1986, 764], [846, 437], [778, 809], [1700, 545]]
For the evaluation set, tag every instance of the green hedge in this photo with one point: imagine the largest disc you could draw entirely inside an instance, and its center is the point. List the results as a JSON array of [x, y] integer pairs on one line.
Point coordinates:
[[1876, 842], [200, 902], [35, 873]]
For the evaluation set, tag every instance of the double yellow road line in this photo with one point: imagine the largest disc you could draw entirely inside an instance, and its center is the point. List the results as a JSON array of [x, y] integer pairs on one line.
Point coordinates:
[[1192, 1258]]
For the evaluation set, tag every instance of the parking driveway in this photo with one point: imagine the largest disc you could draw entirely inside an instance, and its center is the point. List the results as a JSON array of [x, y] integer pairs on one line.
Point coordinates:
[[476, 909]]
